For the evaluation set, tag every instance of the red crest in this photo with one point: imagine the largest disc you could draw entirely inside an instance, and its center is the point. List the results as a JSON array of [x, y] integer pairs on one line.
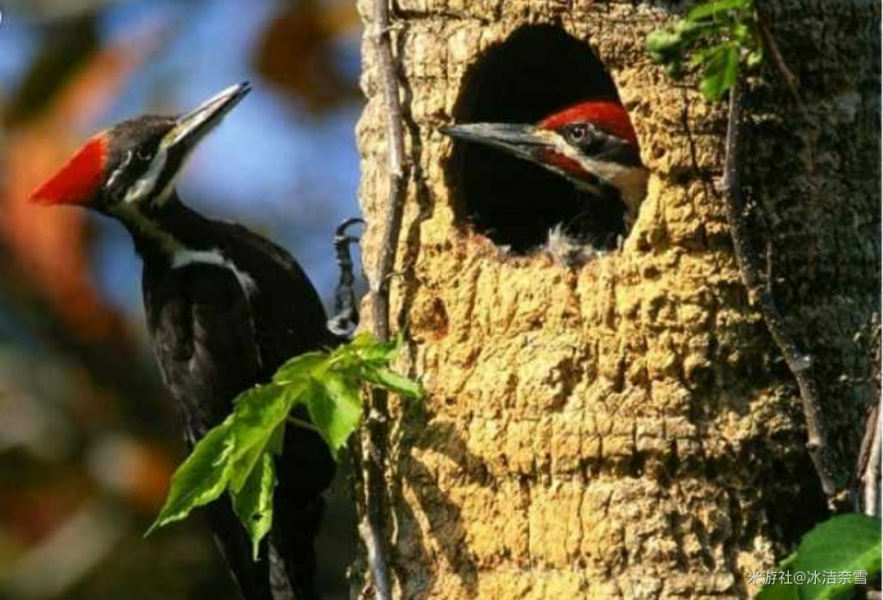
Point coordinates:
[[78, 180], [606, 115]]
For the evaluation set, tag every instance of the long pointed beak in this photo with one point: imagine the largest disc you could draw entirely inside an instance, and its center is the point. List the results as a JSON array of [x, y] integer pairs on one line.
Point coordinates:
[[193, 126], [524, 141]]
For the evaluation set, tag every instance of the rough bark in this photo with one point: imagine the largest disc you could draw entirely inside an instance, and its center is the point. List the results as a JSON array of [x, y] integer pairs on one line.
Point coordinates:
[[626, 429]]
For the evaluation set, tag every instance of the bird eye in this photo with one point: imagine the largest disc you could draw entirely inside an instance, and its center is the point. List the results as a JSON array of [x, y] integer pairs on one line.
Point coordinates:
[[144, 154], [577, 133]]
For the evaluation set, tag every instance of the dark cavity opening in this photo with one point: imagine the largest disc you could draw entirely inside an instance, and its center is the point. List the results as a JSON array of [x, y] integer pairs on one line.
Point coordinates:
[[535, 72]]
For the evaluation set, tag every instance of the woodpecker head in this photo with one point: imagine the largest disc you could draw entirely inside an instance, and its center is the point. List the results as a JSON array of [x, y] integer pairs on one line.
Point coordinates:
[[590, 143], [131, 167]]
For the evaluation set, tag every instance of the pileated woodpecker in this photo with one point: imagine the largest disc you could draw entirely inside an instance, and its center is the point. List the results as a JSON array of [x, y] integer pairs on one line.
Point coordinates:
[[593, 145], [225, 308]]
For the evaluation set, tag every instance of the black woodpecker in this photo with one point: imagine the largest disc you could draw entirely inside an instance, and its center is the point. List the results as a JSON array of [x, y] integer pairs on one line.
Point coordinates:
[[225, 307]]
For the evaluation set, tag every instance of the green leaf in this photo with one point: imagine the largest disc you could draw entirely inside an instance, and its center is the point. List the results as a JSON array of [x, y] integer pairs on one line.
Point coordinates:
[[779, 592], [663, 44], [258, 414], [849, 542], [257, 411], [375, 351], [254, 502], [692, 30], [201, 478], [364, 340], [243, 466], [742, 34], [335, 408], [238, 454], [700, 57], [713, 9], [299, 368], [390, 380], [675, 69], [754, 58], [277, 440], [721, 70]]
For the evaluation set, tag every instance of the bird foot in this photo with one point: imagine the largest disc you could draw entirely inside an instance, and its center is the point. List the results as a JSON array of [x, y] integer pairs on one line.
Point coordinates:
[[346, 306]]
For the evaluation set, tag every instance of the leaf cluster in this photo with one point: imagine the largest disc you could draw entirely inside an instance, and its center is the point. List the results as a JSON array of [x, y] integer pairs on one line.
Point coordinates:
[[237, 455], [717, 37], [849, 542]]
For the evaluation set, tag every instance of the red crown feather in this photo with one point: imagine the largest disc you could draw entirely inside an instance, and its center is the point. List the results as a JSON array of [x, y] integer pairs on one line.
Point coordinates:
[[606, 115], [78, 180]]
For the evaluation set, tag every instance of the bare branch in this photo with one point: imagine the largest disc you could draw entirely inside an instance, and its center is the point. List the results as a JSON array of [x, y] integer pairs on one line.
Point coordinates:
[[868, 467], [303, 424], [396, 153], [760, 293], [772, 48], [371, 524]]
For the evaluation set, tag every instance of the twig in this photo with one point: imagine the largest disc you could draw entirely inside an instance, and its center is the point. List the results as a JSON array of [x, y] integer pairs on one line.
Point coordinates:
[[798, 362], [301, 423], [772, 47], [396, 166], [868, 466], [760, 293], [374, 488]]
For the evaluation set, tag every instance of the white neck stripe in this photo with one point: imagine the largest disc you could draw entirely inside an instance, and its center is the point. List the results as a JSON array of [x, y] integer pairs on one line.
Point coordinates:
[[183, 257], [144, 186]]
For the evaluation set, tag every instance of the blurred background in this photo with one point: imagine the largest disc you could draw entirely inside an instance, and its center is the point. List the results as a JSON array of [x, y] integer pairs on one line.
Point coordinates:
[[88, 440]]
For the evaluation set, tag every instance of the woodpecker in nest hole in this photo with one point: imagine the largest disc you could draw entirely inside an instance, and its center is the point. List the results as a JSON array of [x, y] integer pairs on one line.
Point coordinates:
[[594, 146], [225, 308]]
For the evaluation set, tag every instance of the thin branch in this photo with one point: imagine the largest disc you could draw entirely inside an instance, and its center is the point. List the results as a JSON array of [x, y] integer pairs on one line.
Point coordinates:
[[396, 167], [772, 48], [371, 525], [868, 466], [301, 423], [760, 293]]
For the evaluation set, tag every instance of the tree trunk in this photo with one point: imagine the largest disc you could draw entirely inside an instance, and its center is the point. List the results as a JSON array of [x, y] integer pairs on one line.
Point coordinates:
[[626, 428]]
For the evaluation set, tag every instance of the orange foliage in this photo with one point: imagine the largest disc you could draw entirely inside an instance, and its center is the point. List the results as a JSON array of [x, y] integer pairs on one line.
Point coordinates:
[[294, 52]]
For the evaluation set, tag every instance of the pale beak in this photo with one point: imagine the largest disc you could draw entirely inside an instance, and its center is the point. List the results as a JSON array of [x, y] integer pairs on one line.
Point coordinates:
[[190, 128], [524, 141]]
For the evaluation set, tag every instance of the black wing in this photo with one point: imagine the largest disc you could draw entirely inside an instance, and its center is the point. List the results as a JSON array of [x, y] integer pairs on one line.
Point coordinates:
[[289, 316], [204, 340], [289, 319], [214, 338], [199, 321]]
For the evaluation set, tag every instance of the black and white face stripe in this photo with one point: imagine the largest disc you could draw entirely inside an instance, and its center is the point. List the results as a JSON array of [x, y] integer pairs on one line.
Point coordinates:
[[149, 152], [157, 164], [149, 181], [605, 157], [138, 161], [600, 145]]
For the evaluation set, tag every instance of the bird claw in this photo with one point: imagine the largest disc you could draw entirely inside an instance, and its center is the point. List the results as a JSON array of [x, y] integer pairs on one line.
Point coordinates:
[[346, 306], [340, 230]]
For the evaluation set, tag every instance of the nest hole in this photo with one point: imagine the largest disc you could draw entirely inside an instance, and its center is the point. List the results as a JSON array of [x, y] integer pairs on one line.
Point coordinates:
[[538, 70]]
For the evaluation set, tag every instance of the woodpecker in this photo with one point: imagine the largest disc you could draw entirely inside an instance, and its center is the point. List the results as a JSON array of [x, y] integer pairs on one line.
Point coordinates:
[[225, 308], [593, 145]]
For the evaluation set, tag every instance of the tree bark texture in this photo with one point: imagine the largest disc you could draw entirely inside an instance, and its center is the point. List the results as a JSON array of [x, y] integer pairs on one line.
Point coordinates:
[[627, 428]]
